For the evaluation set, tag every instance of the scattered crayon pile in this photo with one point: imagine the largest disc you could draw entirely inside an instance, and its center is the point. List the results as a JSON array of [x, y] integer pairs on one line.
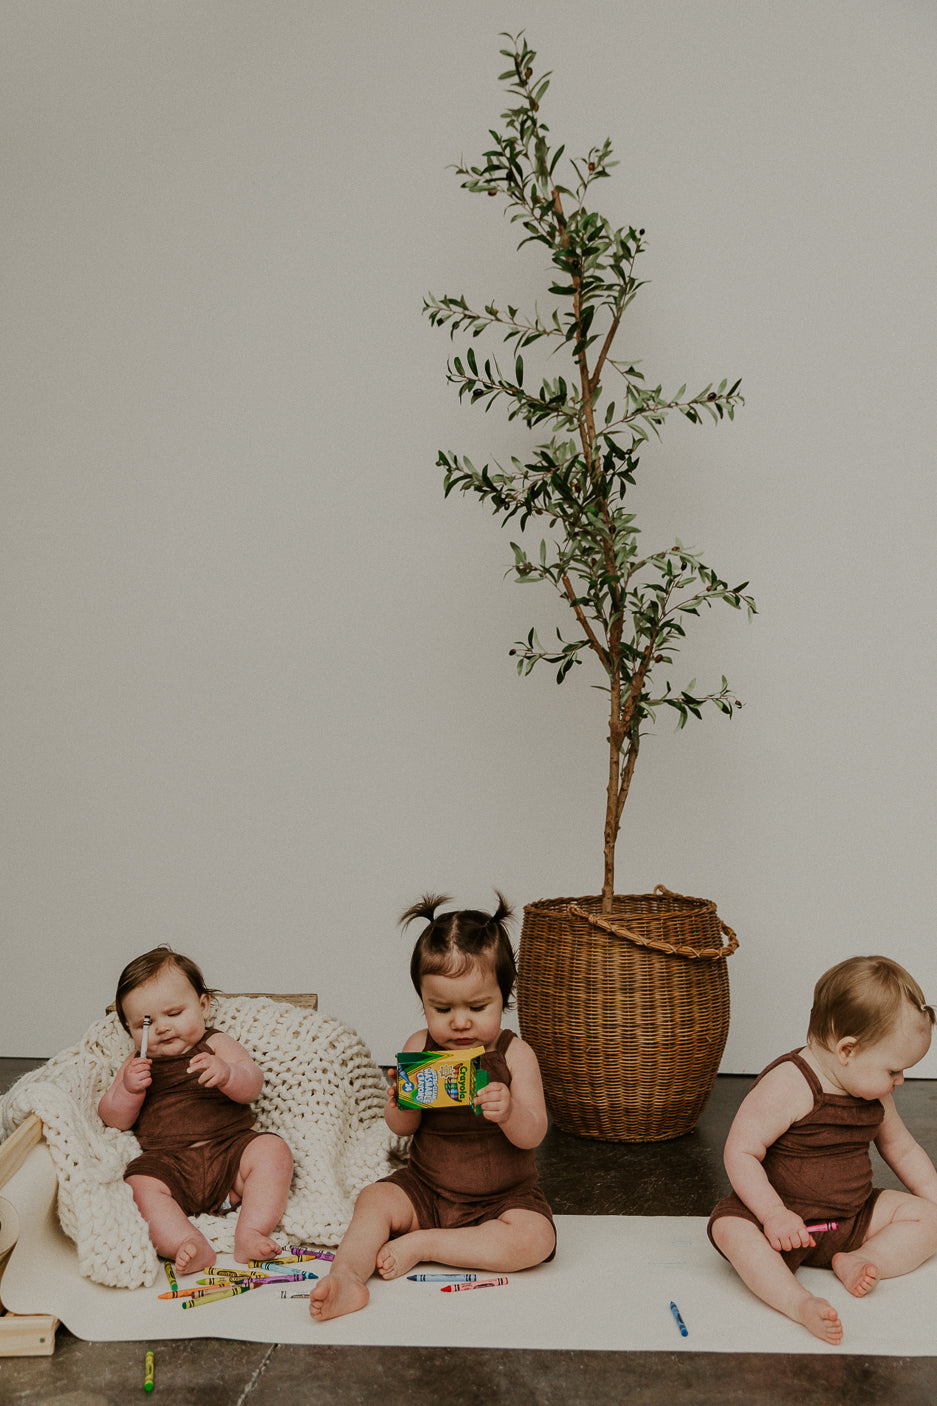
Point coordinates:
[[286, 1268]]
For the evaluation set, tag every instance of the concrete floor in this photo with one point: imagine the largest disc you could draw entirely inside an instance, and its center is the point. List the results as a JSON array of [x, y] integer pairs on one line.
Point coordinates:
[[580, 1177]]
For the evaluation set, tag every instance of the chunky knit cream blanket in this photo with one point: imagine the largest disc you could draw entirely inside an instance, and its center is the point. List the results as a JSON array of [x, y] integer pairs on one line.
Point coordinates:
[[322, 1093]]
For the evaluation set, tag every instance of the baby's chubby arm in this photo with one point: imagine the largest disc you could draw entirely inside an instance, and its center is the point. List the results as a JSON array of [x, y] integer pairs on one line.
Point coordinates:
[[403, 1121], [768, 1110], [228, 1068], [120, 1106], [520, 1111], [905, 1155]]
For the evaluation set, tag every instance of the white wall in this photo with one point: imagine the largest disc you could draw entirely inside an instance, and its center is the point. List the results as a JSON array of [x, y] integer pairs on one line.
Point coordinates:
[[256, 692]]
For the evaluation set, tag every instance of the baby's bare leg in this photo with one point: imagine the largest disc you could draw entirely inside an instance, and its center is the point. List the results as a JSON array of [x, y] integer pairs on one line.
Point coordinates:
[[519, 1239], [766, 1274], [263, 1183], [381, 1211], [172, 1233], [902, 1235]]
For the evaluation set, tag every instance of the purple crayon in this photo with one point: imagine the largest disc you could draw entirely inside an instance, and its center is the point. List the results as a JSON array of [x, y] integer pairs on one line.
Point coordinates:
[[283, 1279]]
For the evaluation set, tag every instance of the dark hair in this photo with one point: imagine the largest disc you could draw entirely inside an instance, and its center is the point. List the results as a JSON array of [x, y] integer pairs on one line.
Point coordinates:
[[143, 969], [453, 942], [862, 998]]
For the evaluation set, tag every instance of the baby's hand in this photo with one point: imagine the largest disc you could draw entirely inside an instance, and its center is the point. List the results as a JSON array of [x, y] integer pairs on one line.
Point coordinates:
[[494, 1100], [136, 1075], [392, 1101], [784, 1230], [213, 1072]]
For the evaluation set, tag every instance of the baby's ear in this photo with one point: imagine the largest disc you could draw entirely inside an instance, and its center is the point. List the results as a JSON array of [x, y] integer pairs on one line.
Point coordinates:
[[846, 1048]]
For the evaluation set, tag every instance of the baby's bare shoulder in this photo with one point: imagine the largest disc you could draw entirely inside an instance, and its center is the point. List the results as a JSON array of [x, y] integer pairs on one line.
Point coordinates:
[[226, 1046], [785, 1087], [416, 1041]]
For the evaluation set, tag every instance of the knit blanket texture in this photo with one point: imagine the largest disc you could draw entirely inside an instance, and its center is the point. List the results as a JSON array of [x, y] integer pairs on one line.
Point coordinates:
[[322, 1093]]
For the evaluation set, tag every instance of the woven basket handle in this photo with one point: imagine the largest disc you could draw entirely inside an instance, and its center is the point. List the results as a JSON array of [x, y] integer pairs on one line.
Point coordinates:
[[658, 944]]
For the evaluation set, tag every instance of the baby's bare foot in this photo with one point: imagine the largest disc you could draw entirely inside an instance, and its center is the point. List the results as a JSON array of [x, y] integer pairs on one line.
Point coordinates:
[[338, 1293], [822, 1320], [253, 1245], [855, 1273], [194, 1254], [398, 1257]]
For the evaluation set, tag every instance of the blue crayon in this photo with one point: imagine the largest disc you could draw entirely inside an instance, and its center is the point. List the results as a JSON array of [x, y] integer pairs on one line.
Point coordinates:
[[684, 1331], [448, 1278]]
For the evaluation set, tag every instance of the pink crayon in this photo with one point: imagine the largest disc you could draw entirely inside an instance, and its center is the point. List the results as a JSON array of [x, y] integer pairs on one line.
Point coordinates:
[[817, 1226]]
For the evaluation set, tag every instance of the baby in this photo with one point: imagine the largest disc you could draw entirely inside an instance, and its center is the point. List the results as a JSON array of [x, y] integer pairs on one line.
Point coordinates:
[[188, 1104], [469, 1195], [798, 1150]]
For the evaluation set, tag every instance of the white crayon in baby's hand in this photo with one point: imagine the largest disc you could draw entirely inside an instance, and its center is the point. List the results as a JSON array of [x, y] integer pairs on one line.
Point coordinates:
[[146, 1036]]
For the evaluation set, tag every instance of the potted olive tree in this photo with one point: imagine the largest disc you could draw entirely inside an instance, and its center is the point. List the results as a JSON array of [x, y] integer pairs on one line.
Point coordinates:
[[624, 998]]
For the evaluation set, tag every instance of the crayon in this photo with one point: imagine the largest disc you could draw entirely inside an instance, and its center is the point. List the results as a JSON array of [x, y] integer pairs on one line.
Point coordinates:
[[216, 1295], [146, 1036], [291, 1256], [479, 1284], [282, 1279], [817, 1226], [684, 1331], [211, 1292], [253, 1280], [223, 1276], [148, 1372], [276, 1266], [170, 1274], [197, 1292], [435, 1278]]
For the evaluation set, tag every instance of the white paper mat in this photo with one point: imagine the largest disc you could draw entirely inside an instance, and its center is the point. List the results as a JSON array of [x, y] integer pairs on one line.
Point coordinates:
[[609, 1287]]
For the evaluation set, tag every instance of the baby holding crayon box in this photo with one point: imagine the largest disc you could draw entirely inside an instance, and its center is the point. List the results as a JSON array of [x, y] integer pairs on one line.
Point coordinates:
[[798, 1150], [469, 1196], [185, 1092]]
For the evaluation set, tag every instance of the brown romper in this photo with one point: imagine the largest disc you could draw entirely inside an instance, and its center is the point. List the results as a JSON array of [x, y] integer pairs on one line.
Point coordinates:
[[821, 1168], [462, 1169], [179, 1112]]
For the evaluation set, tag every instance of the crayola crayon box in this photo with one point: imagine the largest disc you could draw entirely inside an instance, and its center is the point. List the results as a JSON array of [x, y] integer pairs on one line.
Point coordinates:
[[439, 1078]]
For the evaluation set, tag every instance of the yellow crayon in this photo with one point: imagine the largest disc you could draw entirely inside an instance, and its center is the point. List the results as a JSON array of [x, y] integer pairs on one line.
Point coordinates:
[[170, 1274], [223, 1276], [148, 1375], [215, 1295]]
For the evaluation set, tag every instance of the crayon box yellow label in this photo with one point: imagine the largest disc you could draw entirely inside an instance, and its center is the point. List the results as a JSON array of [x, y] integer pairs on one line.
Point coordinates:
[[439, 1078]]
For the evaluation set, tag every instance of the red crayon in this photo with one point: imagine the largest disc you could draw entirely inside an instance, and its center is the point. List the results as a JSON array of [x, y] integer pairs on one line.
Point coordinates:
[[481, 1284], [817, 1226]]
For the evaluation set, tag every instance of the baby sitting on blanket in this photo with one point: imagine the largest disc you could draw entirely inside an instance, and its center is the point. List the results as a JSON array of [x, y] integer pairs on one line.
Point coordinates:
[[186, 1092]]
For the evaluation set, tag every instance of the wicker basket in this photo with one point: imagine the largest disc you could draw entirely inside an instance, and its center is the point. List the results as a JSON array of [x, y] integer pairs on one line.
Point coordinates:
[[628, 1013]]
